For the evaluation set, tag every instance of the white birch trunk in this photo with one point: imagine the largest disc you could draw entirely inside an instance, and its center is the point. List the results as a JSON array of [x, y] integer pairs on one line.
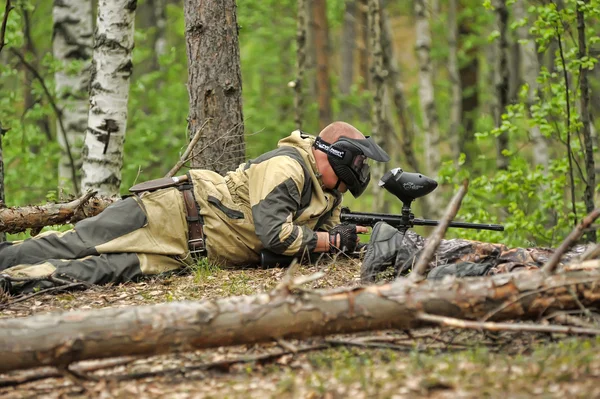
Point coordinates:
[[72, 41], [530, 69], [111, 70], [427, 96], [160, 43], [377, 79]]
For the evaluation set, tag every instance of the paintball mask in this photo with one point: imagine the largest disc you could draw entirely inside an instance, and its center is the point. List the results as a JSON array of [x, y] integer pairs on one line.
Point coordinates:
[[348, 158]]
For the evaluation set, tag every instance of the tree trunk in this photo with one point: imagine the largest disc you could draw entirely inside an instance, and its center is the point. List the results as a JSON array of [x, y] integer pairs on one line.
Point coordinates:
[[321, 36], [19, 219], [469, 77], [109, 92], [590, 168], [427, 99], [363, 46], [530, 69], [160, 36], [301, 29], [2, 199], [71, 42], [29, 97], [396, 90], [378, 76], [502, 81], [348, 45], [214, 84], [455, 87], [59, 340]]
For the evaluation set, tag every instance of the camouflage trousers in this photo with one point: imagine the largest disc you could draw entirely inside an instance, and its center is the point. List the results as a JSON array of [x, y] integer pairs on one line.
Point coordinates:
[[131, 238]]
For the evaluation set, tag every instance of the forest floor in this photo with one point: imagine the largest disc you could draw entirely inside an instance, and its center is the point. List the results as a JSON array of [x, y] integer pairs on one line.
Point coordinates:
[[389, 364]]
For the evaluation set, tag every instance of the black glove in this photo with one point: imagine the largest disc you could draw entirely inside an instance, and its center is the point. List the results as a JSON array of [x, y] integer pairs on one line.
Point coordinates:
[[348, 238]]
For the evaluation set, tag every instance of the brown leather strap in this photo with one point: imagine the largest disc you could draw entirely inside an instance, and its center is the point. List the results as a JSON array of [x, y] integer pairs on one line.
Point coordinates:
[[194, 220]]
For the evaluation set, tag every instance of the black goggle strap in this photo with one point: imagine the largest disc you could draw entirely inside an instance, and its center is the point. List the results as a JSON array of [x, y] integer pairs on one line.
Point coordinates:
[[325, 147]]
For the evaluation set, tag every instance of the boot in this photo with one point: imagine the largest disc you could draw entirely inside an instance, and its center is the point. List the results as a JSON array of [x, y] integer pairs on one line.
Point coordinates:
[[5, 286], [384, 246]]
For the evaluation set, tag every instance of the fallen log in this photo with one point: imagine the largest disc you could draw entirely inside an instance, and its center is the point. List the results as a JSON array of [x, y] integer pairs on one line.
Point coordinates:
[[287, 312], [19, 219]]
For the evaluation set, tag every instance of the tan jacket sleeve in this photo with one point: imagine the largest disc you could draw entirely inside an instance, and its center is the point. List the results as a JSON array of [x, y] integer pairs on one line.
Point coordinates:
[[332, 220], [275, 188]]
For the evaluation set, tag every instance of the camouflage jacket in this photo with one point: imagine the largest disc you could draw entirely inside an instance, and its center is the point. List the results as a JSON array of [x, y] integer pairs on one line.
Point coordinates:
[[276, 201]]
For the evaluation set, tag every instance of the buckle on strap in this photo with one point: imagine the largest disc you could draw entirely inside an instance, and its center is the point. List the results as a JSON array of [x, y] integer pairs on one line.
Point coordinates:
[[196, 239]]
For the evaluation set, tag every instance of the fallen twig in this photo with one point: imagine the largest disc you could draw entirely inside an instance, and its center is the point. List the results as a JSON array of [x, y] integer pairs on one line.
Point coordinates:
[[44, 291], [223, 365], [550, 266], [491, 326], [435, 239], [51, 372]]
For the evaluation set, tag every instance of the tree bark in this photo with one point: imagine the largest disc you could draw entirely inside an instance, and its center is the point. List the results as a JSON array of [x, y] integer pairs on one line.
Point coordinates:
[[72, 41], [427, 99], [348, 46], [502, 78], [530, 69], [19, 219], [61, 339], [214, 84], [469, 77], [109, 92], [2, 200], [396, 90], [454, 75], [301, 29], [363, 46], [584, 101], [378, 76], [321, 37]]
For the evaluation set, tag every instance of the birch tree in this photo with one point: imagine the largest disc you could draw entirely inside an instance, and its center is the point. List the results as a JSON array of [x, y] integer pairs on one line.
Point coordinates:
[[378, 80], [72, 42], [109, 91], [321, 37], [214, 84], [427, 96], [530, 68]]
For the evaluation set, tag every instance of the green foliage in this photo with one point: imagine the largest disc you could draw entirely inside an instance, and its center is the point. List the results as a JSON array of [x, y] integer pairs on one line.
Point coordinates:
[[535, 205]]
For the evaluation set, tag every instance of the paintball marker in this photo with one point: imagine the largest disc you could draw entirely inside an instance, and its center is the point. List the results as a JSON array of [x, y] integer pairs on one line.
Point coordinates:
[[406, 186]]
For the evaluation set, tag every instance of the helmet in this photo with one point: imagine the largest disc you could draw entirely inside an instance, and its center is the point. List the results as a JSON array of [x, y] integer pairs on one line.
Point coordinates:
[[348, 159]]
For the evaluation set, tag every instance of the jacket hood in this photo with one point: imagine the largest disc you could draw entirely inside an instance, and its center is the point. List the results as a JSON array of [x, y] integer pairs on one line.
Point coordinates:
[[302, 142]]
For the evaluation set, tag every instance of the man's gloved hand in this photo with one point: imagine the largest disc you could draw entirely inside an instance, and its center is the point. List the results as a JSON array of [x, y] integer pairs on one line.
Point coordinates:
[[343, 237]]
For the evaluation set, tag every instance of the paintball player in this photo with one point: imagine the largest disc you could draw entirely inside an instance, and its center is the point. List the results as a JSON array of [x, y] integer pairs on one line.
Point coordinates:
[[287, 200]]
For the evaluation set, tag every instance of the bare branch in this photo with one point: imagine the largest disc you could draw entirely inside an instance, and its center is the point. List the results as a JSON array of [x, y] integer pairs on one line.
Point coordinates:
[[434, 240], [7, 10], [188, 150], [57, 111], [552, 263], [491, 326]]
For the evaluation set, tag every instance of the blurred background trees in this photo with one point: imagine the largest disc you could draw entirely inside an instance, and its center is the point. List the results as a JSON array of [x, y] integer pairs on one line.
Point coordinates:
[[503, 92]]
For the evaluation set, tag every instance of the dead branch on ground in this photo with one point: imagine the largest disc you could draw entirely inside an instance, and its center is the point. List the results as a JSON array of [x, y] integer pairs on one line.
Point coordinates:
[[62, 339]]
